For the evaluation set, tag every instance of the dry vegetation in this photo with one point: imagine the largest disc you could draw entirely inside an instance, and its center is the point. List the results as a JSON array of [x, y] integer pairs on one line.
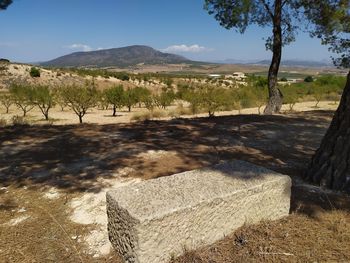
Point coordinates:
[[53, 176], [45, 169]]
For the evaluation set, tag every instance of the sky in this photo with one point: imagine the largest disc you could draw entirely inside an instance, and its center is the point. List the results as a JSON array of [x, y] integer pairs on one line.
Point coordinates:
[[41, 30]]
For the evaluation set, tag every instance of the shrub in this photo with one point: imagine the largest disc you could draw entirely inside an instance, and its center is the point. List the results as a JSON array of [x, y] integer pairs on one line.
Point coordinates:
[[34, 72], [141, 116], [158, 114], [3, 122], [19, 121], [309, 79]]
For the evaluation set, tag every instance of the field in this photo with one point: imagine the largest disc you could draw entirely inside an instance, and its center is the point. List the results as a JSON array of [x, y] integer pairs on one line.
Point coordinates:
[[54, 177]]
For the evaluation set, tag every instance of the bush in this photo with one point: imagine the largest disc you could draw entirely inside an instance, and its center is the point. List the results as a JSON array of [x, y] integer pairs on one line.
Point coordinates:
[[3, 122], [19, 121], [34, 72], [309, 79], [158, 114], [141, 116]]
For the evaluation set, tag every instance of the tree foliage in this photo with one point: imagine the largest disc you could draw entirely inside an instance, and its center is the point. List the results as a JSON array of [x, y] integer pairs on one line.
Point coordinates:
[[7, 100], [34, 72], [80, 98], [4, 4], [332, 25], [22, 95], [43, 97], [115, 97]]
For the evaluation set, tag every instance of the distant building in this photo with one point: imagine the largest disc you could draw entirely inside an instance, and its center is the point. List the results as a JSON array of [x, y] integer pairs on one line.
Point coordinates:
[[214, 76], [236, 76]]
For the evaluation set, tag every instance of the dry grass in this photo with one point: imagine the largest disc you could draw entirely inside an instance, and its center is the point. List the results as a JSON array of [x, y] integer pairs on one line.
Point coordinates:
[[297, 238], [75, 158]]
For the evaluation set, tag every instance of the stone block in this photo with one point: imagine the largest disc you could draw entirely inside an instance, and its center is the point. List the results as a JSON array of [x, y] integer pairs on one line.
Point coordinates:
[[151, 221]]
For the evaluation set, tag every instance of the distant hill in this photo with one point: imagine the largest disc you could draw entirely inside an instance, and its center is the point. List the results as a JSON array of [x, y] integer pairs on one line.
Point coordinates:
[[286, 63], [298, 63], [116, 57]]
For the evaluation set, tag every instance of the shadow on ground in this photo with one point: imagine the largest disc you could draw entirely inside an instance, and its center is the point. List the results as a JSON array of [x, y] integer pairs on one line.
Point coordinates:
[[75, 157]]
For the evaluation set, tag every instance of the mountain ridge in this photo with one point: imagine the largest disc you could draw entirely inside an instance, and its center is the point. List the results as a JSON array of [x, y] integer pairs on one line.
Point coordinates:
[[116, 57]]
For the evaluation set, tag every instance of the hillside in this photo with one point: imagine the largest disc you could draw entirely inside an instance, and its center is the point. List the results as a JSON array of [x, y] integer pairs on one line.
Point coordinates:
[[116, 57]]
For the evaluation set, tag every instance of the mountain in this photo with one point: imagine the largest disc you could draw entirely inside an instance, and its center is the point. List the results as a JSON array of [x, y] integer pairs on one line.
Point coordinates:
[[116, 57], [287, 63], [299, 63]]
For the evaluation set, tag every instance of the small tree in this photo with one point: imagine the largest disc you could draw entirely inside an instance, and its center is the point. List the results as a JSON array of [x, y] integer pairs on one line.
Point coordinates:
[[59, 98], [80, 99], [142, 94], [291, 98], [212, 99], [34, 72], [165, 98], [193, 97], [115, 97], [130, 98], [43, 98], [7, 100], [318, 94], [23, 97]]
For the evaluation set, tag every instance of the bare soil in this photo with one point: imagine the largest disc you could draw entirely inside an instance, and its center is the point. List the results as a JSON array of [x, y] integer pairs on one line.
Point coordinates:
[[44, 169]]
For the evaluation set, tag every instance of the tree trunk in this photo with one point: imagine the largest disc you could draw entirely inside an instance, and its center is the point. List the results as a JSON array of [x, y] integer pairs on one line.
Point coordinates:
[[114, 110], [80, 119], [330, 166], [129, 108], [275, 95]]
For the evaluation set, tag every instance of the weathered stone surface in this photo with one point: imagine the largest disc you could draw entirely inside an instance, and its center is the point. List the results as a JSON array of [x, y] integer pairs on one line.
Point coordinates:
[[156, 219]]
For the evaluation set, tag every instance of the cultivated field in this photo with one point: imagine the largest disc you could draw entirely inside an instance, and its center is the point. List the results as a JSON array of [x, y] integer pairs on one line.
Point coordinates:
[[97, 116]]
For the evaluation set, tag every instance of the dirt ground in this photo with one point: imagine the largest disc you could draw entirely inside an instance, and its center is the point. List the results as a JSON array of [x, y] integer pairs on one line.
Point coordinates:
[[97, 116], [53, 179]]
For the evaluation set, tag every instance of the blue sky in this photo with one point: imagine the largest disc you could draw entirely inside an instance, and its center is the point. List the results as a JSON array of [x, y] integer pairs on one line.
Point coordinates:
[[40, 30]]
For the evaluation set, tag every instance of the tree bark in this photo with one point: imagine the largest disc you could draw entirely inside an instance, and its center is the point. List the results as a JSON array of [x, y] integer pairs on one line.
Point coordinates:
[[275, 95], [330, 166]]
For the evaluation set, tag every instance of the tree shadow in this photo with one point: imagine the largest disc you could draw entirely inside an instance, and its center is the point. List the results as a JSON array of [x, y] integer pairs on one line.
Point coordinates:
[[81, 158]]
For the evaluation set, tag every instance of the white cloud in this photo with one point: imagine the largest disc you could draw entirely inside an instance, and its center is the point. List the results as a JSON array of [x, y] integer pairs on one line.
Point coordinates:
[[185, 48], [80, 47]]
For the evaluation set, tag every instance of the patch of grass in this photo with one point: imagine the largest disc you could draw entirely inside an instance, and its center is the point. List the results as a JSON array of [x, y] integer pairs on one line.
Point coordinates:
[[19, 121], [3, 122], [141, 116]]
